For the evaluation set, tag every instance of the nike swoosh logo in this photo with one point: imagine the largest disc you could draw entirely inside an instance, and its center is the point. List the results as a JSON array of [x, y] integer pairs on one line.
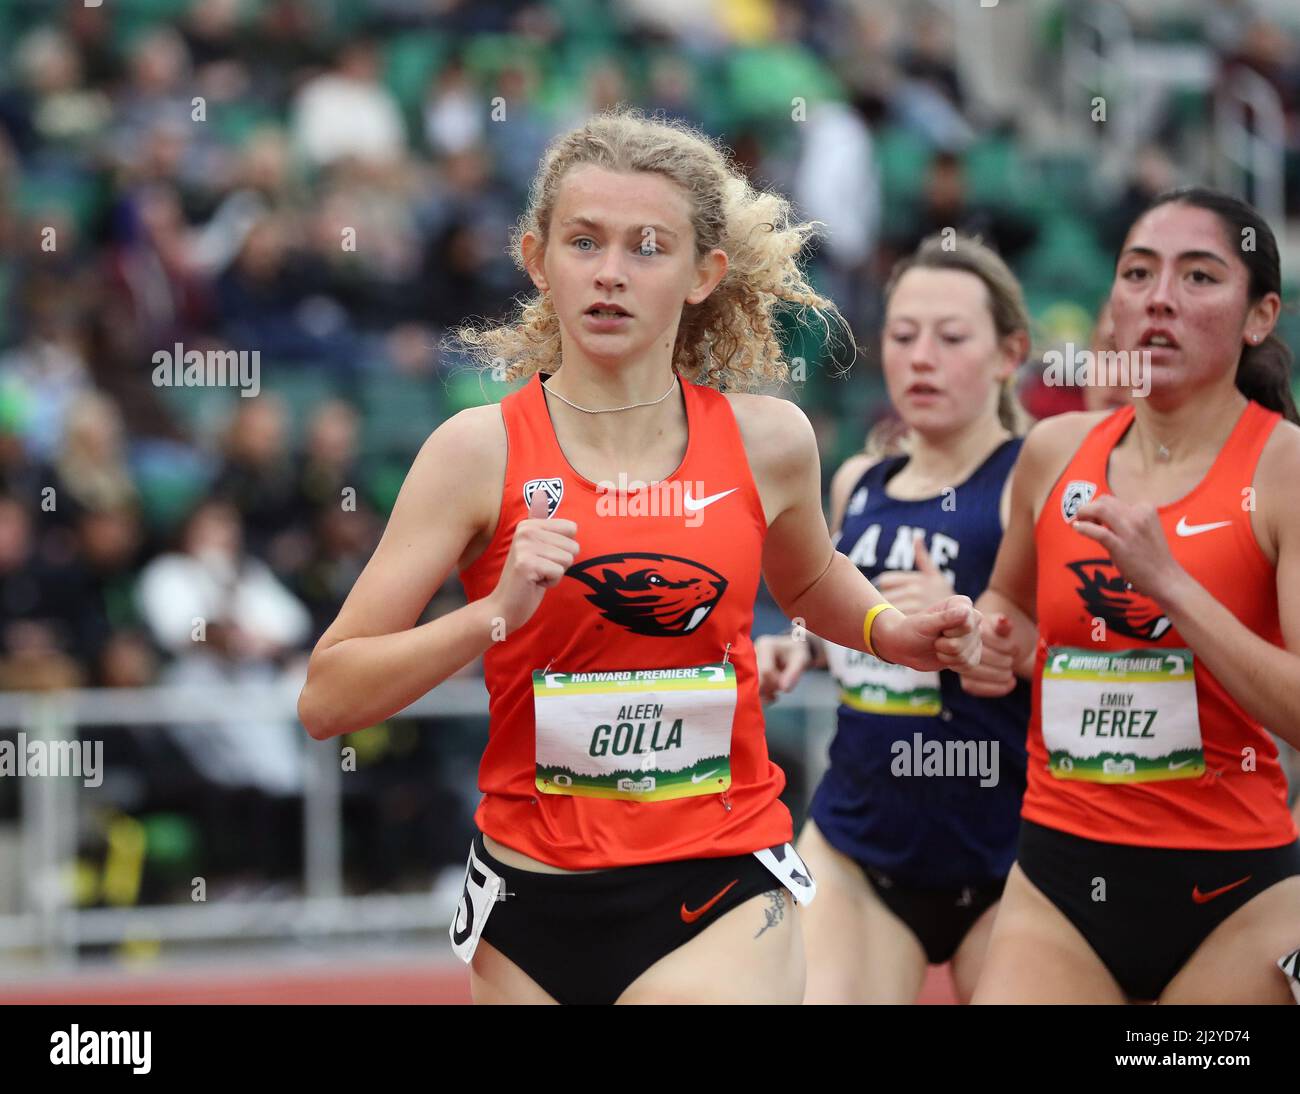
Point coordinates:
[[1202, 898], [689, 916], [700, 778], [1175, 766], [693, 504], [1185, 529]]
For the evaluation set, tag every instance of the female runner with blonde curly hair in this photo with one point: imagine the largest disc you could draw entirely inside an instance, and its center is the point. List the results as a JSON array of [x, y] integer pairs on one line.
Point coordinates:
[[610, 520]]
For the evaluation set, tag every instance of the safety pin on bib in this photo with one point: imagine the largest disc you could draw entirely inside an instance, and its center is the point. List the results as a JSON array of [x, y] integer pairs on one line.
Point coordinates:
[[725, 797]]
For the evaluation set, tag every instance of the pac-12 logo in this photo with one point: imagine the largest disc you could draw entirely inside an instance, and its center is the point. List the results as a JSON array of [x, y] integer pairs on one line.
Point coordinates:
[[1076, 495], [554, 492], [659, 595]]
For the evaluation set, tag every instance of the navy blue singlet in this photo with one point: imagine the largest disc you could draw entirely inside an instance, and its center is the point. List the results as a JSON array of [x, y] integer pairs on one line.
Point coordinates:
[[925, 781]]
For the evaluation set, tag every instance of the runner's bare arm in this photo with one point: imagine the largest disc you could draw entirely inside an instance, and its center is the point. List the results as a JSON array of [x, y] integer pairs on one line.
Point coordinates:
[[807, 577], [782, 658], [801, 567], [1262, 677], [1013, 585], [373, 660], [842, 483]]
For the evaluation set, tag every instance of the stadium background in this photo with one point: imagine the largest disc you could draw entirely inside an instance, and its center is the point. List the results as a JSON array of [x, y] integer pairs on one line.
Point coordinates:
[[190, 171]]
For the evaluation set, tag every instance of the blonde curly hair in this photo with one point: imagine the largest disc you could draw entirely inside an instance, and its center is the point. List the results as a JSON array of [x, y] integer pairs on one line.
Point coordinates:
[[728, 341]]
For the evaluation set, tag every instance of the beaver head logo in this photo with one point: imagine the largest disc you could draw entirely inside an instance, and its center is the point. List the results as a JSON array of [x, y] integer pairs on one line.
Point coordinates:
[[659, 595], [1106, 594]]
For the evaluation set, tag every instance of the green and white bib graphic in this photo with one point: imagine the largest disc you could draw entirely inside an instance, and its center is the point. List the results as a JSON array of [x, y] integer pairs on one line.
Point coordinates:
[[635, 734], [877, 687], [1121, 716]]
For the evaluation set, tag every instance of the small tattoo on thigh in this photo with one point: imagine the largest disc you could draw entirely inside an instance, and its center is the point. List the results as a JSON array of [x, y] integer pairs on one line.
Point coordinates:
[[774, 912]]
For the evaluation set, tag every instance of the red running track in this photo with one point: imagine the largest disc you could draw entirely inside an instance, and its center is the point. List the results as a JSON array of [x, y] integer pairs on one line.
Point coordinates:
[[343, 982]]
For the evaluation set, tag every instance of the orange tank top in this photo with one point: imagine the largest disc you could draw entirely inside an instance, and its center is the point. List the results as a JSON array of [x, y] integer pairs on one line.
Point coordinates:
[[663, 584], [1099, 771]]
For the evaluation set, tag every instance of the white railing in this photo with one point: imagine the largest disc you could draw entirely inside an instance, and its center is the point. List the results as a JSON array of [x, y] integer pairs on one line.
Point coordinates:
[[1136, 76], [48, 920], [1249, 151], [1099, 58]]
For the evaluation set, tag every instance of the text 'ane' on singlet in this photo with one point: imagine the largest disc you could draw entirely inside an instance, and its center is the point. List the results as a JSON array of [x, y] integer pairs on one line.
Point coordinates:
[[925, 781]]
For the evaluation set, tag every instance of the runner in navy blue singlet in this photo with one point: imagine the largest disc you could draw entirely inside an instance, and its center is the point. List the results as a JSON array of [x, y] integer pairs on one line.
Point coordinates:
[[914, 825]]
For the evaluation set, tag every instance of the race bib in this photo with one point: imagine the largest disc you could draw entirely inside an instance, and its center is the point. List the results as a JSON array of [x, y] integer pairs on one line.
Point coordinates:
[[635, 734], [483, 888], [1121, 716], [877, 687]]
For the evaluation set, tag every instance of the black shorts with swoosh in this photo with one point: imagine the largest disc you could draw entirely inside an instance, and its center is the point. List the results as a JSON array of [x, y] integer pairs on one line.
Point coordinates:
[[1145, 910], [939, 918], [584, 937]]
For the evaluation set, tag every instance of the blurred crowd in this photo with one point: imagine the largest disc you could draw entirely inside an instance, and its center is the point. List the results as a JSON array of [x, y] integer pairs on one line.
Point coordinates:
[[333, 186]]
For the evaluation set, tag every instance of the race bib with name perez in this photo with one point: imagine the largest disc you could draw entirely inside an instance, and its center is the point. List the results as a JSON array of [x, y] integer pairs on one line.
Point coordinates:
[[1121, 716]]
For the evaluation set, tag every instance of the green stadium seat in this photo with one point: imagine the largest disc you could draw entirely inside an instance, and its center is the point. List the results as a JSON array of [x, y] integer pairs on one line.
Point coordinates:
[[235, 122], [152, 11], [398, 412], [763, 81], [466, 387], [302, 388], [349, 17], [168, 492], [1055, 182], [1068, 260], [903, 157], [411, 62], [202, 411], [80, 197], [384, 478], [583, 19], [993, 172], [1288, 325], [487, 54], [131, 18]]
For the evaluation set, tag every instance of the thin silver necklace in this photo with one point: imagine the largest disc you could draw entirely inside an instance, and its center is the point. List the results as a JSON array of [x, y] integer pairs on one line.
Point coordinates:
[[1162, 453], [612, 409]]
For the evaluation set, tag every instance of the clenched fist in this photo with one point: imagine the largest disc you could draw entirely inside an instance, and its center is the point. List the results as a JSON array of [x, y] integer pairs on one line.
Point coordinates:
[[995, 674], [781, 660], [540, 551], [944, 636]]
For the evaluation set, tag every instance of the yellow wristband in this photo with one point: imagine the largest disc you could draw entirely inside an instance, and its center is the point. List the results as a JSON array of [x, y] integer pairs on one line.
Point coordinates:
[[867, 623]]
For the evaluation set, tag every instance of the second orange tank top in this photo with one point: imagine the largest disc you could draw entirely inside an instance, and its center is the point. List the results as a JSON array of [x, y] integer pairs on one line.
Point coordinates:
[[1132, 740]]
